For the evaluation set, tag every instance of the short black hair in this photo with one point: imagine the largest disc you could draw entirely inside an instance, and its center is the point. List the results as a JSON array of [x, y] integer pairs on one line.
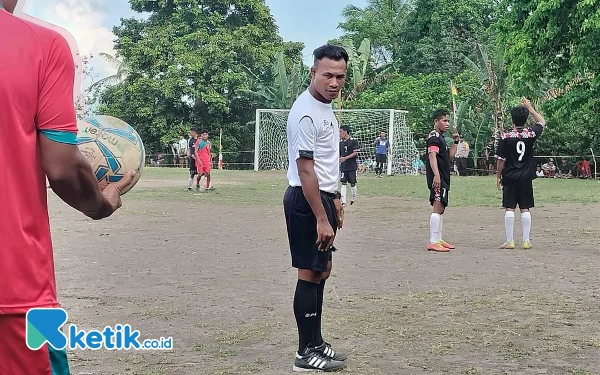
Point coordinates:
[[331, 52], [346, 128], [203, 131], [519, 116], [195, 130], [439, 113]]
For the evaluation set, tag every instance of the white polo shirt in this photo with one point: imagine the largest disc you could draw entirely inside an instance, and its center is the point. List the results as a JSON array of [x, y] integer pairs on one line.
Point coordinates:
[[313, 131]]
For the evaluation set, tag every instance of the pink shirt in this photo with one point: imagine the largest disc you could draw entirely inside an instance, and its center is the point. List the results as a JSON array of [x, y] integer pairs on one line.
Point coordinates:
[[36, 94]]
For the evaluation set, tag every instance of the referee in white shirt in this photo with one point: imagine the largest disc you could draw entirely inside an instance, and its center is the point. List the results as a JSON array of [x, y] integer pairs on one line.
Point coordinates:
[[312, 207]]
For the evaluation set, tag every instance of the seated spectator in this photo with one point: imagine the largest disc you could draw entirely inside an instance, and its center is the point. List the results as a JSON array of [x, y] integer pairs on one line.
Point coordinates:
[[549, 169], [582, 169], [419, 166], [539, 172], [564, 169]]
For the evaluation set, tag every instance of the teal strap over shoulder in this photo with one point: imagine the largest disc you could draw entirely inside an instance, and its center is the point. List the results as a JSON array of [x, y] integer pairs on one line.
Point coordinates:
[[60, 136]]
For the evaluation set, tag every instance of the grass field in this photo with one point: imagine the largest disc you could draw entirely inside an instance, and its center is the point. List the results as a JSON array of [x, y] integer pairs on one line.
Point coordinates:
[[212, 270], [267, 188]]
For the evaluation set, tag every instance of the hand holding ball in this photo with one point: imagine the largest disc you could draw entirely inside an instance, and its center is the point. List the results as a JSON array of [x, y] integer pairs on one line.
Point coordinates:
[[114, 150]]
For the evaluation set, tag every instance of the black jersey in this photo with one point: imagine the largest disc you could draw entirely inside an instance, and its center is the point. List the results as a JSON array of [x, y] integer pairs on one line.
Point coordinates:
[[437, 143], [192, 146], [346, 148], [516, 149]]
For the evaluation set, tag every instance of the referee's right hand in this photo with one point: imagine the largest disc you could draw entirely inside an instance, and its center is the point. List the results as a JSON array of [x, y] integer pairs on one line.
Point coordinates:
[[325, 235]]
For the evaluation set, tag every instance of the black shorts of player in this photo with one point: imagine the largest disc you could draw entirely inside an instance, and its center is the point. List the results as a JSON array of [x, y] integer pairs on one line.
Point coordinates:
[[348, 176], [439, 195], [193, 169], [302, 229], [520, 194], [381, 158]]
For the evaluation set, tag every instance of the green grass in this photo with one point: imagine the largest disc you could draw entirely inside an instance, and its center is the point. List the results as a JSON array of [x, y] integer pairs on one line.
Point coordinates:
[[267, 188]]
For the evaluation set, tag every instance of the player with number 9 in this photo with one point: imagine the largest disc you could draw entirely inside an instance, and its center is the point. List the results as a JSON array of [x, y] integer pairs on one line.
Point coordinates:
[[516, 170]]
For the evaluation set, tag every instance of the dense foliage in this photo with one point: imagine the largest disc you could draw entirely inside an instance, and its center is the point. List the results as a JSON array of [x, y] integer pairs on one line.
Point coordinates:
[[211, 63]]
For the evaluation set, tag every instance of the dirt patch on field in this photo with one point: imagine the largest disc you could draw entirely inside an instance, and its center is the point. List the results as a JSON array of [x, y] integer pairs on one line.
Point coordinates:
[[218, 280]]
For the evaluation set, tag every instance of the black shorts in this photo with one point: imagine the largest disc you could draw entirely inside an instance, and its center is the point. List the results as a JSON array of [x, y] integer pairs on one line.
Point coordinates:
[[302, 229], [518, 195], [381, 158], [348, 176], [439, 195]]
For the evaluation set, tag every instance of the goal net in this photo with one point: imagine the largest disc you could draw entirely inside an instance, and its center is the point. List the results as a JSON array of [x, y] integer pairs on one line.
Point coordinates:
[[270, 148]]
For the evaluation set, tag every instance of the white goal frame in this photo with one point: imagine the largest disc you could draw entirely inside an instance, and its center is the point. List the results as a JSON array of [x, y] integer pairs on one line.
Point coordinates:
[[397, 131]]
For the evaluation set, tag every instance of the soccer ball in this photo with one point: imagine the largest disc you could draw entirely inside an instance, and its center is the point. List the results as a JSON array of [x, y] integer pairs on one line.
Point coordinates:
[[112, 147]]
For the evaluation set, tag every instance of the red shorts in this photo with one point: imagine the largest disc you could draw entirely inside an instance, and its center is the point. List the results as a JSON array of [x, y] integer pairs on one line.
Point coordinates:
[[17, 359], [204, 168]]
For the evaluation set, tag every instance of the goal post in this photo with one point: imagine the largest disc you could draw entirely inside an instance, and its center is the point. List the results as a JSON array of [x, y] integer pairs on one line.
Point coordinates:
[[270, 152]]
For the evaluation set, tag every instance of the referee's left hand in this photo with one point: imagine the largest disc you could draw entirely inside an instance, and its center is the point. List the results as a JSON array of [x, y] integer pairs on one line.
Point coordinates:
[[339, 212]]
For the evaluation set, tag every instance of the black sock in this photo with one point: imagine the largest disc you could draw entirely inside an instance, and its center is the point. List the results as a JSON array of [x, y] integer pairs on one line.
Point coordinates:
[[305, 311], [317, 335]]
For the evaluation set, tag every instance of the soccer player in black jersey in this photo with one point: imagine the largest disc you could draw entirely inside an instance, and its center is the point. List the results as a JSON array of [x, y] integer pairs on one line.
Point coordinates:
[[516, 170], [192, 157], [348, 167], [439, 159]]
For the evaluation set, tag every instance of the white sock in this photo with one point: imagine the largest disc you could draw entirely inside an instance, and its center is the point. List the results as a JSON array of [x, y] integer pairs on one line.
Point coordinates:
[[190, 182], [440, 235], [343, 192], [434, 228], [526, 222], [509, 224], [353, 191]]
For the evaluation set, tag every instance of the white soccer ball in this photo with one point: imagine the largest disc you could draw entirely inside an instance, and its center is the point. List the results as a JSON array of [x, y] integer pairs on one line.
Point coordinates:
[[112, 147]]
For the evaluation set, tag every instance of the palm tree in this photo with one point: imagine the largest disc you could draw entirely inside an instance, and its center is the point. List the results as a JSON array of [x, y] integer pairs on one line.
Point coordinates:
[[123, 71], [364, 73], [492, 73], [284, 89], [382, 21]]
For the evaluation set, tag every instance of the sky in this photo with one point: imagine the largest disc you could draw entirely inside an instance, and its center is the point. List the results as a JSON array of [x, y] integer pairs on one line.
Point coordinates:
[[90, 22]]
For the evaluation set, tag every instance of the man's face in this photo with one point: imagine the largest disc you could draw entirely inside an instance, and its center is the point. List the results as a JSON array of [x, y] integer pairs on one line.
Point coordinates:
[[192, 134], [328, 77], [204, 136], [343, 133], [442, 123], [382, 135]]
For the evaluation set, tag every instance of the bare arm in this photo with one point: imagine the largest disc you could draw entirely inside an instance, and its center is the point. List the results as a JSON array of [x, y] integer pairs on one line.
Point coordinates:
[[310, 188], [500, 168], [536, 116], [69, 173], [71, 178], [352, 155], [433, 164]]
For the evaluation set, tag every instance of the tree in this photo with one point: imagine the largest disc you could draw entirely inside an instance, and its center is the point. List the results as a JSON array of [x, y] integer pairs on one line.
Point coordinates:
[[282, 90], [492, 74], [85, 100], [122, 72], [382, 22], [439, 31], [558, 41], [186, 68], [420, 95]]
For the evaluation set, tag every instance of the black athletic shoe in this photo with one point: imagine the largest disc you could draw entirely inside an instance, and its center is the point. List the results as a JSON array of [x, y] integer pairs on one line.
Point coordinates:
[[326, 349], [314, 360]]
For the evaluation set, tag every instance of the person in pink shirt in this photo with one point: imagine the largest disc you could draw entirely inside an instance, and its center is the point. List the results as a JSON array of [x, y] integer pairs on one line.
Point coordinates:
[[39, 133]]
